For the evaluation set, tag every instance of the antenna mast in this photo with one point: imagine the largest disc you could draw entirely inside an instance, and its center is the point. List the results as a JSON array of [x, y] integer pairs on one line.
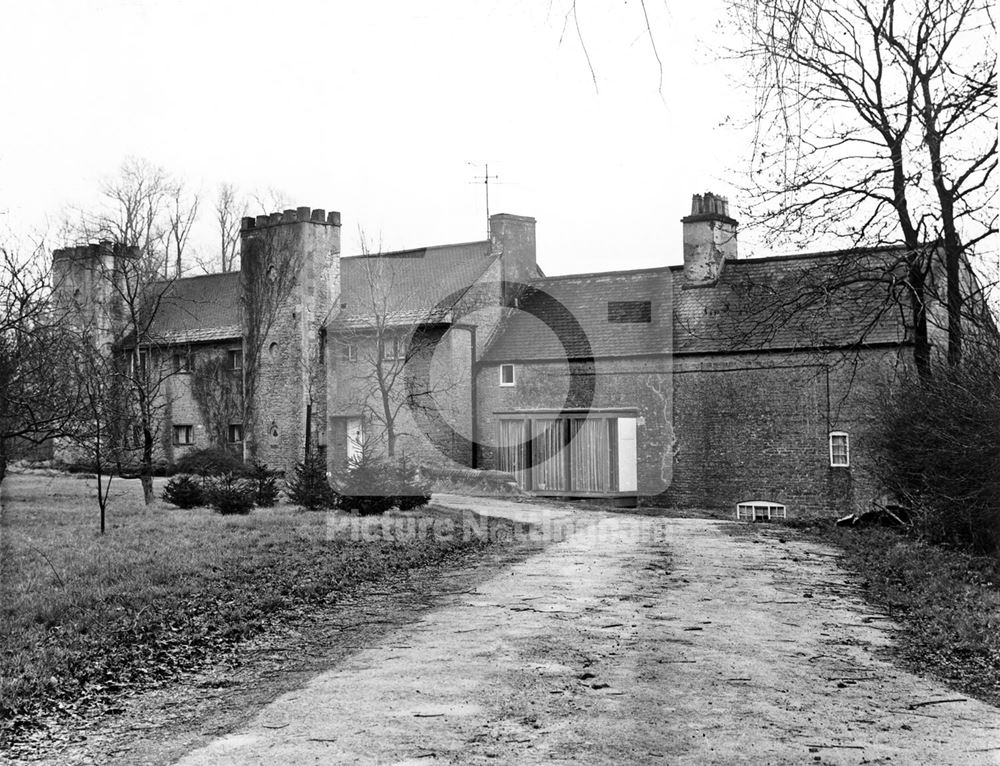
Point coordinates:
[[485, 179]]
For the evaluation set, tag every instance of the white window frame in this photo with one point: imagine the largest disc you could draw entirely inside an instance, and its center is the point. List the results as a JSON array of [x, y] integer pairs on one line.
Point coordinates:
[[513, 376], [235, 358], [847, 449], [230, 433]]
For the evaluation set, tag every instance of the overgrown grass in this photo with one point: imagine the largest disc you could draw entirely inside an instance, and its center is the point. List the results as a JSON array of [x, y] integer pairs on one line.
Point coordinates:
[[85, 617], [947, 602]]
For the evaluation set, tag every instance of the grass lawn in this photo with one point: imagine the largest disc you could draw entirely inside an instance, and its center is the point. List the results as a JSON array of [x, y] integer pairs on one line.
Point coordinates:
[[946, 602], [85, 618]]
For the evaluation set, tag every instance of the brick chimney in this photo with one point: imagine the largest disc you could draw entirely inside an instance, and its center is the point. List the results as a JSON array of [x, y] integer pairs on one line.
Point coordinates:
[[709, 238], [513, 238]]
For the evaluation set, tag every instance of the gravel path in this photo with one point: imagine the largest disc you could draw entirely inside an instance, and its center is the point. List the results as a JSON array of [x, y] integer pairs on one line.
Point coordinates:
[[633, 640]]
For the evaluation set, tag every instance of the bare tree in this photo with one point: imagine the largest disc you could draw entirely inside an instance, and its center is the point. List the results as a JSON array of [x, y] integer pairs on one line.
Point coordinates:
[[37, 396], [230, 208], [876, 123], [104, 416], [391, 348], [143, 207], [182, 212]]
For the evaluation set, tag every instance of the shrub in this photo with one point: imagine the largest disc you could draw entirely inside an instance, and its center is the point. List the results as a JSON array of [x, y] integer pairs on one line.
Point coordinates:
[[265, 484], [230, 494], [940, 448], [374, 486], [211, 461], [184, 492], [308, 487]]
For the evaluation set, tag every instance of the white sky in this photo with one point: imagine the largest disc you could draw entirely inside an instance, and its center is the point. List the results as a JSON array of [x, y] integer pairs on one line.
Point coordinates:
[[374, 109]]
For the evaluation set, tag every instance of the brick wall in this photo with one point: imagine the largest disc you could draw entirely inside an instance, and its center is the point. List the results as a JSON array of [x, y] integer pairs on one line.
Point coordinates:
[[717, 430]]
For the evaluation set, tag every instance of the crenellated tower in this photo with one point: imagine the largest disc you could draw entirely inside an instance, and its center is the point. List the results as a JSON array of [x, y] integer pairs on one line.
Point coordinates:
[[84, 287], [290, 286]]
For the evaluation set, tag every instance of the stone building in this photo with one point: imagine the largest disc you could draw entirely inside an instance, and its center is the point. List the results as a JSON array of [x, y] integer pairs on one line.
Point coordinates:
[[703, 384]]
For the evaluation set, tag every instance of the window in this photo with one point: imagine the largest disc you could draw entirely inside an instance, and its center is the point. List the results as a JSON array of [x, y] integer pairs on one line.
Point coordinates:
[[236, 359], [840, 450], [137, 368], [506, 375], [629, 312], [235, 433], [351, 352], [183, 362], [183, 434], [394, 348]]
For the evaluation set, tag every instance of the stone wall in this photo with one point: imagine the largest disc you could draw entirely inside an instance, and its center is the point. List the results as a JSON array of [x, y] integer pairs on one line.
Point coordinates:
[[290, 266]]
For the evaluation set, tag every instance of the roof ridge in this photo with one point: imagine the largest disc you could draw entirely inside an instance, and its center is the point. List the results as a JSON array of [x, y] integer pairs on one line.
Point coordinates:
[[424, 249]]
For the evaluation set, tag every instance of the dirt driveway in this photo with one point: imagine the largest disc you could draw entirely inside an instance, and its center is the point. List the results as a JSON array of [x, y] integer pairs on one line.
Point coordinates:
[[633, 640]]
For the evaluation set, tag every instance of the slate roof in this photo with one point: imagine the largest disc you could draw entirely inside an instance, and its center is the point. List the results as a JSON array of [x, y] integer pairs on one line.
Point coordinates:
[[409, 284], [782, 302], [540, 329], [199, 309]]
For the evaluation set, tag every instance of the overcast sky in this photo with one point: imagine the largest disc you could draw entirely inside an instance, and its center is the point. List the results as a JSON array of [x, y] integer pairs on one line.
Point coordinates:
[[376, 109]]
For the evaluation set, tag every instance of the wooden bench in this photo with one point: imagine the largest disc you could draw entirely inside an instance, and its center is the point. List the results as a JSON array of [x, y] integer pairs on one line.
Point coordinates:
[[760, 509]]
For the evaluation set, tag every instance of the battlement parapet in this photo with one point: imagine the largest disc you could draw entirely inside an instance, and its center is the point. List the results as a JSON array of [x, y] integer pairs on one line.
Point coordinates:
[[94, 250], [291, 215]]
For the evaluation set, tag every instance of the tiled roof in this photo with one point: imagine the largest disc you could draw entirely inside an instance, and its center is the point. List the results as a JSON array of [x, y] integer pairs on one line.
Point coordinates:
[[199, 309], [767, 303], [407, 285], [542, 329]]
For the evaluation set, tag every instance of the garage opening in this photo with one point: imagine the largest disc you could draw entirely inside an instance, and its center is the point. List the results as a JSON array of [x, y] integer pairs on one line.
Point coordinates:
[[585, 454]]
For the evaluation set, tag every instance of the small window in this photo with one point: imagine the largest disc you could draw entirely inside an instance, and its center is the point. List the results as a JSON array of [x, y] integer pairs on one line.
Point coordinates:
[[183, 434], [236, 359], [351, 352], [630, 312], [840, 450], [394, 349], [235, 433], [183, 363], [139, 370], [506, 375]]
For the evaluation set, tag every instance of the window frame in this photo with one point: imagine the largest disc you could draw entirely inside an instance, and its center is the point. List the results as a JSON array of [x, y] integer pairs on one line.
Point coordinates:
[[188, 430], [847, 449], [394, 348], [229, 433], [183, 363], [235, 358], [513, 376]]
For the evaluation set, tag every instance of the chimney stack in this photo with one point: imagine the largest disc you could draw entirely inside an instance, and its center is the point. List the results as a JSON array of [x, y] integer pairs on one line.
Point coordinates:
[[709, 238]]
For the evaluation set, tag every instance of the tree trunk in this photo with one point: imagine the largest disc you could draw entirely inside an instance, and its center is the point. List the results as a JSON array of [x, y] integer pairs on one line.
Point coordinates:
[[146, 470], [921, 343]]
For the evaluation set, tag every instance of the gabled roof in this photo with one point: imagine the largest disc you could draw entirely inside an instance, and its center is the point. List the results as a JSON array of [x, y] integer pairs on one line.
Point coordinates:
[[198, 309], [407, 285], [786, 302]]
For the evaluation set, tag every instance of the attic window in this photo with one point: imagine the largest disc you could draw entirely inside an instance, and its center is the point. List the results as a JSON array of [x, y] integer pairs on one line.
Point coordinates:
[[630, 312]]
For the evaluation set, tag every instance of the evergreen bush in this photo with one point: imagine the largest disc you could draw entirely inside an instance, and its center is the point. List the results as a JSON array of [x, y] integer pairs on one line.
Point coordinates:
[[230, 494], [184, 492], [309, 487], [266, 484], [373, 486]]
